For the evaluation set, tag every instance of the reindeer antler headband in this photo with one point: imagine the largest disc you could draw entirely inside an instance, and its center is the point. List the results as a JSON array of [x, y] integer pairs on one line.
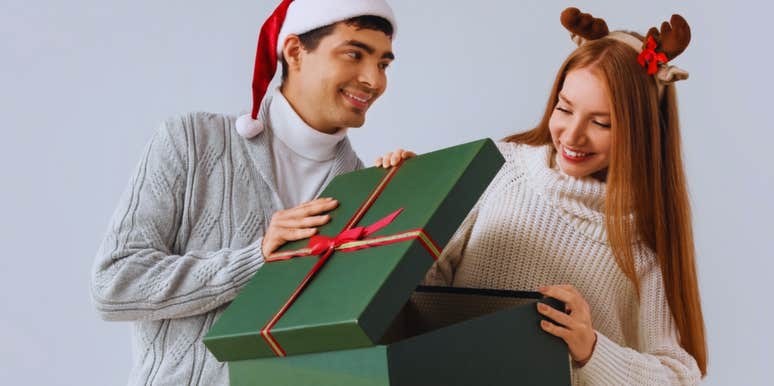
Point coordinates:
[[658, 49]]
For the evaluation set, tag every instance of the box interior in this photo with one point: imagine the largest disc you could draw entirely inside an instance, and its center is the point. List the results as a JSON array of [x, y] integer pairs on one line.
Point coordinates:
[[434, 307]]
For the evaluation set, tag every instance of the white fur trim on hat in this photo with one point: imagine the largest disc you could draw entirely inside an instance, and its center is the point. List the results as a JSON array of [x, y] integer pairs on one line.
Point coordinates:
[[306, 15], [247, 126]]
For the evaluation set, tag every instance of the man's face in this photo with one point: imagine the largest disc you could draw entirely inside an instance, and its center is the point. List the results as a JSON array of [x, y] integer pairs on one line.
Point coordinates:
[[338, 81]]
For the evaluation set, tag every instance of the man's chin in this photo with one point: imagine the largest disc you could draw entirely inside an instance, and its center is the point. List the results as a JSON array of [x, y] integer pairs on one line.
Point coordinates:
[[354, 122]]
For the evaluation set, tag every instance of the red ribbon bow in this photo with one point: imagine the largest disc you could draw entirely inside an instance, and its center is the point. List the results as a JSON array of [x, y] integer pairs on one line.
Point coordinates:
[[320, 244], [650, 58]]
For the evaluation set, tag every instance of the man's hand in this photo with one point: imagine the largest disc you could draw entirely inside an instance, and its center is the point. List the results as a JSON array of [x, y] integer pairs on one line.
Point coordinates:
[[296, 223], [393, 158]]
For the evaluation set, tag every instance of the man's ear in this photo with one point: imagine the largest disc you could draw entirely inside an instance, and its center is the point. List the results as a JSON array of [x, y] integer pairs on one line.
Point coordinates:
[[292, 51]]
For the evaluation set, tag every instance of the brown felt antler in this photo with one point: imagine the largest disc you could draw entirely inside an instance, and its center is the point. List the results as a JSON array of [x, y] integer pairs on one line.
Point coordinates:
[[583, 24], [673, 38]]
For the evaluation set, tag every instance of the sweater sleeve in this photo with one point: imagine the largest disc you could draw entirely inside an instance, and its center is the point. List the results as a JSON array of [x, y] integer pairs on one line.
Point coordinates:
[[658, 360], [359, 164], [136, 275], [442, 272]]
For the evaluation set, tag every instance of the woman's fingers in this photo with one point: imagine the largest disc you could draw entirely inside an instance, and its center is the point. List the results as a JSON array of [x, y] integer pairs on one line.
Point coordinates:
[[557, 316], [557, 292], [572, 299], [555, 330]]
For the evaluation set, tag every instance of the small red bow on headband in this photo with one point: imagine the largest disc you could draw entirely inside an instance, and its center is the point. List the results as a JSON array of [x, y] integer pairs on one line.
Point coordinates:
[[650, 57]]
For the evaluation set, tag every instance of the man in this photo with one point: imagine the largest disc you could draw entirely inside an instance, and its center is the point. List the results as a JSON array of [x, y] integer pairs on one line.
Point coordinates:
[[206, 203]]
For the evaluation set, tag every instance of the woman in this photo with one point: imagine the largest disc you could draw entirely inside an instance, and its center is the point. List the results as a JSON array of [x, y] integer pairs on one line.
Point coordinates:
[[591, 208]]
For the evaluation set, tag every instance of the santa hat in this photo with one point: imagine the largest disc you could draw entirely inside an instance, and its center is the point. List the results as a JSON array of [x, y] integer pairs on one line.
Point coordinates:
[[297, 17]]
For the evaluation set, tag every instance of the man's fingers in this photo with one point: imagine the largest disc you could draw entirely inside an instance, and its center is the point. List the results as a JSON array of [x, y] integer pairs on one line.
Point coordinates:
[[316, 201], [300, 233], [294, 212], [320, 207], [393, 158], [293, 234], [386, 160], [396, 158], [380, 160], [270, 245], [312, 208], [279, 236], [304, 222]]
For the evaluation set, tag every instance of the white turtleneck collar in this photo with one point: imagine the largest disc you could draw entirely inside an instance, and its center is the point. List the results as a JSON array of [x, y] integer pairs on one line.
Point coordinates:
[[581, 199], [297, 135]]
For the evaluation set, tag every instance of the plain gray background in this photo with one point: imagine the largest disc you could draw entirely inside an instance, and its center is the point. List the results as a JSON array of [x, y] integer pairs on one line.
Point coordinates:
[[84, 83]]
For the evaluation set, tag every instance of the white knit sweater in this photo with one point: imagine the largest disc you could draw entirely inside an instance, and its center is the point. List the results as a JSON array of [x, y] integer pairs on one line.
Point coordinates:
[[537, 226]]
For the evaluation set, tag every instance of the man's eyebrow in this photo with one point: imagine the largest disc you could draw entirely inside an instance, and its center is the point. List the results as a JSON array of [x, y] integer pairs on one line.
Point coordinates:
[[370, 50], [359, 44]]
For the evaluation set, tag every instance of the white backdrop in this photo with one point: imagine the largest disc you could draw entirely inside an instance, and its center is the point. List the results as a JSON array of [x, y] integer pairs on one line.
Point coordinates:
[[84, 83]]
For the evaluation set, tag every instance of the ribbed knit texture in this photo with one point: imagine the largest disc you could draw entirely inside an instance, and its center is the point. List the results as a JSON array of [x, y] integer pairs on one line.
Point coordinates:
[[302, 155], [536, 226], [185, 239]]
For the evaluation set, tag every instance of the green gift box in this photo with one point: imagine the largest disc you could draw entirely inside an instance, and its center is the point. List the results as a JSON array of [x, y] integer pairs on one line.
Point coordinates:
[[443, 337], [348, 297]]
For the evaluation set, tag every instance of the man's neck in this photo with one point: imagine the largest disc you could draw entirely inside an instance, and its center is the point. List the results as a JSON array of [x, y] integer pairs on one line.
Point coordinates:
[[299, 136]]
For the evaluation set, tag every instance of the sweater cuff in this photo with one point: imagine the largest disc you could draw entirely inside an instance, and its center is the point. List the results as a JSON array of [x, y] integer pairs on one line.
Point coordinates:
[[245, 262], [608, 364]]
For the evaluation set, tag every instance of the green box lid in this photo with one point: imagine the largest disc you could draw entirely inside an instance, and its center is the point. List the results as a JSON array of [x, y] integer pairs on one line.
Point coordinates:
[[355, 295]]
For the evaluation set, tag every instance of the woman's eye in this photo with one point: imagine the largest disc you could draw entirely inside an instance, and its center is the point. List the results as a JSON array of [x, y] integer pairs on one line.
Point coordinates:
[[562, 109], [605, 125]]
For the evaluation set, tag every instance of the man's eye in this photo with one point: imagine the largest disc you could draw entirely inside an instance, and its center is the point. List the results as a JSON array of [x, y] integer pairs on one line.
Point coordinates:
[[354, 54], [384, 66]]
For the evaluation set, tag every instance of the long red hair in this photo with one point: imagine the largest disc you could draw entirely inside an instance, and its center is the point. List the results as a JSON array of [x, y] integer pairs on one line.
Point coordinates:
[[645, 178]]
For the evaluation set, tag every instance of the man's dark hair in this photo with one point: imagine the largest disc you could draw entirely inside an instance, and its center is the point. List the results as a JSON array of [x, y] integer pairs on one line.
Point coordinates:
[[310, 40]]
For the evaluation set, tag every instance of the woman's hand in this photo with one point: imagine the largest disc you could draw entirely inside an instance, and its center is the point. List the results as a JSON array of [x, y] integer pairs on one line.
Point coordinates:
[[574, 327], [393, 158]]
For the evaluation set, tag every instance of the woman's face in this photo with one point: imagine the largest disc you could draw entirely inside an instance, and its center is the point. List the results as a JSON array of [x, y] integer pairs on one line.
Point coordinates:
[[581, 125]]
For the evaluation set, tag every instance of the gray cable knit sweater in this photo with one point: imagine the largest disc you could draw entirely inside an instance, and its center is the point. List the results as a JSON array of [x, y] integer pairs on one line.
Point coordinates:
[[185, 238]]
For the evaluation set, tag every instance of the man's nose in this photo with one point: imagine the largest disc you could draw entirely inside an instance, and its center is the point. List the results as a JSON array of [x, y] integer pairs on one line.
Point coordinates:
[[371, 76]]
